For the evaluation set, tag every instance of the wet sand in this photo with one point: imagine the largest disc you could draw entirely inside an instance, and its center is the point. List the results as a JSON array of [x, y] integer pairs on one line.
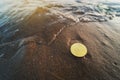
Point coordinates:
[[40, 50]]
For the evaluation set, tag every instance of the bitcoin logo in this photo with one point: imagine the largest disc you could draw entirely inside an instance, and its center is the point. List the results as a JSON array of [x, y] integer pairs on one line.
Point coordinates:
[[78, 50]]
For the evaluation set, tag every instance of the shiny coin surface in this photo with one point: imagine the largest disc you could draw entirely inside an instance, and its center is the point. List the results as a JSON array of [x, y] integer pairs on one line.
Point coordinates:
[[78, 50]]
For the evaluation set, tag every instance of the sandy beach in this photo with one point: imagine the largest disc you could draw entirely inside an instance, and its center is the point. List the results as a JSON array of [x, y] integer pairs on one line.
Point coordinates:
[[36, 45]]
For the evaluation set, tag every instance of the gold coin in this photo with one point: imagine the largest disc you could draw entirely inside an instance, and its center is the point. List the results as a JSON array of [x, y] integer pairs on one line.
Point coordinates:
[[78, 50]]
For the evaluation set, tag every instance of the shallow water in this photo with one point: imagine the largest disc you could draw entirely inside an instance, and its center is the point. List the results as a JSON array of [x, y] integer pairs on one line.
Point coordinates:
[[21, 53], [14, 12]]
